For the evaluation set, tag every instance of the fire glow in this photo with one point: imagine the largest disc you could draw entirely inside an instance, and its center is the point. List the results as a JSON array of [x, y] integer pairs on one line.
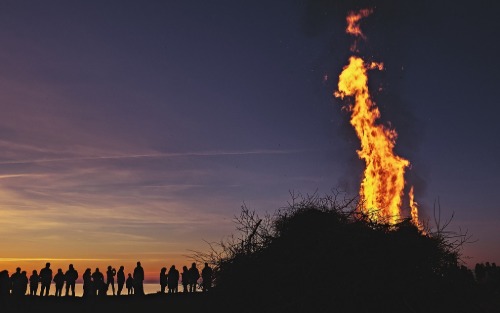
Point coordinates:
[[383, 182]]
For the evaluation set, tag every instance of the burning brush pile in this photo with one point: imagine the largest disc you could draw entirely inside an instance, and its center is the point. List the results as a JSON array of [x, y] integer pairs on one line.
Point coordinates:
[[322, 254]]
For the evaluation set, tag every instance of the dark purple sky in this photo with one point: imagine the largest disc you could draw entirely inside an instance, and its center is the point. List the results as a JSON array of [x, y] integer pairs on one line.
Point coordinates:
[[144, 126]]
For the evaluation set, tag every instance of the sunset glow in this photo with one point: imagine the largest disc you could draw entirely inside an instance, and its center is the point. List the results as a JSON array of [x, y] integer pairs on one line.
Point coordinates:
[[135, 131]]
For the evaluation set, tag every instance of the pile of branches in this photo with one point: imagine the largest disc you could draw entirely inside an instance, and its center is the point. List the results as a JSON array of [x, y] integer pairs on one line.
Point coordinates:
[[321, 253]]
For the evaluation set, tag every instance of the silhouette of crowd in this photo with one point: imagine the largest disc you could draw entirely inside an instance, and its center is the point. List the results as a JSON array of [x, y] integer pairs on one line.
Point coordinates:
[[488, 276], [95, 284]]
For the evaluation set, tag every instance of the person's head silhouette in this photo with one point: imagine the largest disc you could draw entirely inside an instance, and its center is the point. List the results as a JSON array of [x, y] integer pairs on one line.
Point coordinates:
[[71, 266], [47, 265]]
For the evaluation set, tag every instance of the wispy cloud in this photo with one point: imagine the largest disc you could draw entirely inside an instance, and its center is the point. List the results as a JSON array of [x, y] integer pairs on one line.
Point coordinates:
[[20, 175], [154, 155]]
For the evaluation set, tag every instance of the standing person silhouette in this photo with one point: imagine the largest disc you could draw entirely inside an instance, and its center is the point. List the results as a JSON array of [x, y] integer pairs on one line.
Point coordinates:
[[110, 278], [173, 280], [34, 280], [194, 275], [4, 284], [71, 275], [130, 284], [45, 279], [59, 280], [98, 282], [15, 282], [185, 278], [163, 279], [24, 283], [87, 283], [139, 280], [120, 279], [206, 275]]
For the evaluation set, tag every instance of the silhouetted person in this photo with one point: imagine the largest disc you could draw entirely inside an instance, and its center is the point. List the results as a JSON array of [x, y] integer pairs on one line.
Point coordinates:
[[45, 279], [120, 279], [206, 275], [185, 278], [194, 275], [24, 283], [163, 279], [110, 278], [59, 280], [479, 271], [34, 280], [15, 282], [88, 288], [173, 280], [139, 280], [495, 276], [130, 284], [4, 284], [98, 282], [71, 276]]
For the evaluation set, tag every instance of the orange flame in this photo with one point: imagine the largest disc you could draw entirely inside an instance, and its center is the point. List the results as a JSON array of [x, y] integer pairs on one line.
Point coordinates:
[[353, 24], [414, 211], [383, 179]]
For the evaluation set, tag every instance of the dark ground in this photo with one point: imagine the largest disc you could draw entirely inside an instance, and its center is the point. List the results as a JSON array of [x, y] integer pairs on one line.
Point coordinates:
[[150, 303], [183, 303]]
